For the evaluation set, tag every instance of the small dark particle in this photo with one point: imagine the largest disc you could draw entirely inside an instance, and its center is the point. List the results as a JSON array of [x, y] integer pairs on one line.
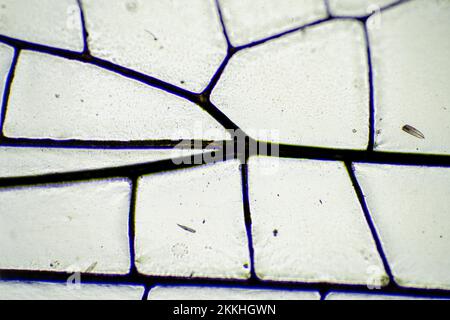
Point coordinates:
[[354, 131], [204, 221], [57, 95], [320, 201], [275, 233], [186, 228], [152, 34], [182, 82], [413, 131], [246, 266]]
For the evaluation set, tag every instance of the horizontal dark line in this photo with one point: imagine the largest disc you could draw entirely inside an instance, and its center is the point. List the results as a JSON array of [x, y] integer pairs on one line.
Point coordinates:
[[395, 158], [139, 279], [127, 171], [109, 144], [285, 151]]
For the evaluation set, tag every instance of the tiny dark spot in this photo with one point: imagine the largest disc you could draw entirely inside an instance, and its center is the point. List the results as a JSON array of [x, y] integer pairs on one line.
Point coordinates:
[[320, 201], [246, 265], [379, 131], [204, 221], [354, 131], [82, 101], [278, 195], [57, 95], [441, 236], [182, 82], [275, 233]]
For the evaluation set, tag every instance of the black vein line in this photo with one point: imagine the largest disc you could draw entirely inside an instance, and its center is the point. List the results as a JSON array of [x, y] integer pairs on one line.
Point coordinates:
[[371, 144], [197, 160], [217, 75], [282, 34], [132, 225], [84, 29], [327, 7], [146, 292], [7, 89], [126, 171], [222, 22], [104, 64], [111, 144], [248, 219], [369, 221], [151, 281], [379, 157]]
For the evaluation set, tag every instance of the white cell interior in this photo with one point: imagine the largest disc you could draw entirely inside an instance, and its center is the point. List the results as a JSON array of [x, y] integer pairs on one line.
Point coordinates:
[[357, 7], [6, 57], [298, 87], [410, 49], [190, 223], [81, 101], [222, 293], [81, 227], [251, 20], [18, 290], [177, 41], [16, 162], [47, 22], [410, 207], [308, 224]]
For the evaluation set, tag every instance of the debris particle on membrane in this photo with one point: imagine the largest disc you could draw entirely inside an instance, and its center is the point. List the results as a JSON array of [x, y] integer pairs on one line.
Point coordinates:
[[413, 131], [186, 228]]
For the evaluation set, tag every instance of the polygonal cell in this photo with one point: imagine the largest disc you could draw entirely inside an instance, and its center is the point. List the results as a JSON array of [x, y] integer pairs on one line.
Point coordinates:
[[82, 101], [357, 7], [15, 162], [47, 22], [6, 57], [308, 224], [251, 20], [410, 207], [190, 223], [368, 296], [81, 227], [15, 290], [177, 41], [298, 87], [410, 50], [222, 293]]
